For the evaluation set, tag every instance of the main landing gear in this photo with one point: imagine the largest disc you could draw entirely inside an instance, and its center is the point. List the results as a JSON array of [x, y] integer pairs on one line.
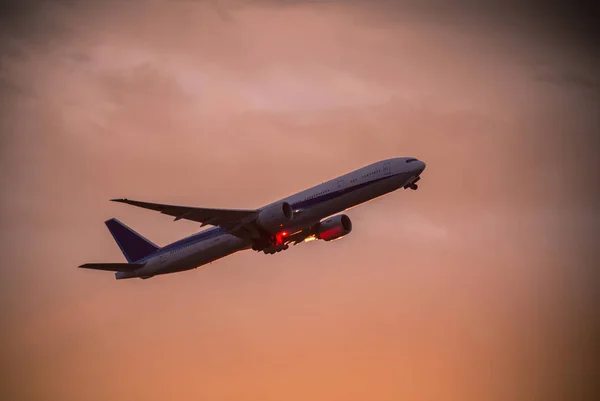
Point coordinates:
[[269, 247], [275, 249]]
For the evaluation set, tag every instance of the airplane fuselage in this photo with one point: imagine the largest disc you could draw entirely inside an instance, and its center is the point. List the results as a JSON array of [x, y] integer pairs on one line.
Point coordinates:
[[310, 206]]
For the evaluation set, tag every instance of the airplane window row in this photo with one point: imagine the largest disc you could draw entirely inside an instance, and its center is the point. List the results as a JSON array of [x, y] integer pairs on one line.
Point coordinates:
[[317, 194], [179, 249], [371, 173]]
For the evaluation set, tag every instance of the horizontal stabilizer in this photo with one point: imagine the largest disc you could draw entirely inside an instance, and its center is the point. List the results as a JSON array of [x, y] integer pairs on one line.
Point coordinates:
[[113, 267]]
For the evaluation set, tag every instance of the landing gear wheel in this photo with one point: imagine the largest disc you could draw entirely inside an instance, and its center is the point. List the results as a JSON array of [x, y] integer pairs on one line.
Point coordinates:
[[414, 187]]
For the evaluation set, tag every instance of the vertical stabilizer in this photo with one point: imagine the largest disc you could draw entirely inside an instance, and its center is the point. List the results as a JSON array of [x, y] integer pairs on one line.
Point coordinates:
[[132, 244]]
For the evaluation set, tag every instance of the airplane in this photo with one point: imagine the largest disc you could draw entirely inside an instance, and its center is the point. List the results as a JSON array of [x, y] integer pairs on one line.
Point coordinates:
[[305, 216]]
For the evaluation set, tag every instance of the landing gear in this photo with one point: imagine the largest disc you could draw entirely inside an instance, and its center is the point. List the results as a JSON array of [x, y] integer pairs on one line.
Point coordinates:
[[275, 249], [269, 248], [413, 185]]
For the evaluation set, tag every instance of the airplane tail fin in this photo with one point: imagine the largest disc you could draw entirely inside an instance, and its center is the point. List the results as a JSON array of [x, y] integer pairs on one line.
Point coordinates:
[[133, 245]]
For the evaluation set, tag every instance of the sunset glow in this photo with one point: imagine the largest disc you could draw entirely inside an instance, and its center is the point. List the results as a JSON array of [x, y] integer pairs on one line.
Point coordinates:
[[478, 286]]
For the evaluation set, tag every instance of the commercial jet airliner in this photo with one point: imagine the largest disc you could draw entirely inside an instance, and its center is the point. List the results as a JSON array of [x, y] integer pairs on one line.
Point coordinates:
[[307, 215]]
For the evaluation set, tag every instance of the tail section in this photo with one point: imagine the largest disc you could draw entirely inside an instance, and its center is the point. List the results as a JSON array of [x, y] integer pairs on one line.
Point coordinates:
[[113, 267], [132, 244]]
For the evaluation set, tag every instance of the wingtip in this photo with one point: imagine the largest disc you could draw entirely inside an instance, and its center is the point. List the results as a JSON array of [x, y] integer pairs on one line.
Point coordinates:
[[119, 200]]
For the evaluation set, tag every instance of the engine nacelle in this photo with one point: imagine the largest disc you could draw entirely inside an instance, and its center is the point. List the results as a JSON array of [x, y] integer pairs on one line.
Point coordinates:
[[274, 216], [334, 228]]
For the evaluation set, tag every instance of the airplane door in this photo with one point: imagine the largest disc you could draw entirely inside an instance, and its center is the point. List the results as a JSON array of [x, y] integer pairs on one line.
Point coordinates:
[[162, 259], [386, 168], [341, 184]]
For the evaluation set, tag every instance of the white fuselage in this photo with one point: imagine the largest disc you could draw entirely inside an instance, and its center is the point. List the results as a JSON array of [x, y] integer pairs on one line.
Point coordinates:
[[311, 206]]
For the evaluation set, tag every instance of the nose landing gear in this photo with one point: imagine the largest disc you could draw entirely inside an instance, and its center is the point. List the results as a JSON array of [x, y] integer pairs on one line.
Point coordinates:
[[413, 184]]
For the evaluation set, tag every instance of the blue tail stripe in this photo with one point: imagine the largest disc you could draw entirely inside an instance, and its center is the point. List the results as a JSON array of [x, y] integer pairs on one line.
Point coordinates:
[[133, 245]]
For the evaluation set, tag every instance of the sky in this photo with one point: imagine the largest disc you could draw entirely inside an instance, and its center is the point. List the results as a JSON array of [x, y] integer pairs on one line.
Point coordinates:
[[479, 286]]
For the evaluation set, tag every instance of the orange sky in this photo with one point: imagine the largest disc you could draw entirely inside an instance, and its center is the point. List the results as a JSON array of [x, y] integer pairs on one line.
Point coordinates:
[[475, 287]]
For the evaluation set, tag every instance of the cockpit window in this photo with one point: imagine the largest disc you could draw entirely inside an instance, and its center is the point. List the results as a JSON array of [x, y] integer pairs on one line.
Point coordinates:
[[410, 160]]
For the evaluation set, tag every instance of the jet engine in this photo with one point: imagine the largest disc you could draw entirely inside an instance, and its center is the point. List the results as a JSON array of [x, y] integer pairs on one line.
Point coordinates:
[[274, 216], [333, 228]]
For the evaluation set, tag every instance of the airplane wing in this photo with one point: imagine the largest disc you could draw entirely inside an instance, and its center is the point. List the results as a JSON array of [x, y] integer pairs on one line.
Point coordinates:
[[230, 219]]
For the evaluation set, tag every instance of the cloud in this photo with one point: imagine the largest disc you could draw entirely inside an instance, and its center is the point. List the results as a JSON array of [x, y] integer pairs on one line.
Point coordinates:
[[570, 78], [237, 104]]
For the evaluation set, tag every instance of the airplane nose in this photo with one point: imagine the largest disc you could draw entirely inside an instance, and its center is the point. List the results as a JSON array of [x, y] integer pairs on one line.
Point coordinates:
[[408, 165]]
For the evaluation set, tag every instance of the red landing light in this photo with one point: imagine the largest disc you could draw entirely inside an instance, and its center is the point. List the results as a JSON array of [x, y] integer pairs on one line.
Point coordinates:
[[279, 237]]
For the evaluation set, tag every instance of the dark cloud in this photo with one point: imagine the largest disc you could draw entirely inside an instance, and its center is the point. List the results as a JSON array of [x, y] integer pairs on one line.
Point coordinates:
[[566, 78], [9, 88]]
